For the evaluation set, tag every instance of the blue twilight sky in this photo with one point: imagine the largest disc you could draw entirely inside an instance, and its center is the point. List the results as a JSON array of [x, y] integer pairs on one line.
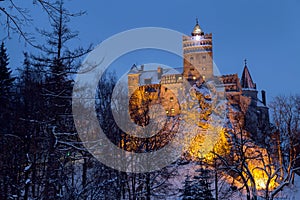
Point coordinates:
[[265, 32]]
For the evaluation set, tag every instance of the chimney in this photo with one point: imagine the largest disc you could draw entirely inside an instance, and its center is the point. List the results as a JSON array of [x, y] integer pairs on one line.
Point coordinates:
[[159, 72], [142, 67], [263, 97]]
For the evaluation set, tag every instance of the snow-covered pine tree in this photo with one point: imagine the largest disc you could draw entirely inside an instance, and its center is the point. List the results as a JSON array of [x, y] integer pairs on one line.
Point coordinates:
[[187, 192], [200, 186], [58, 62], [203, 182]]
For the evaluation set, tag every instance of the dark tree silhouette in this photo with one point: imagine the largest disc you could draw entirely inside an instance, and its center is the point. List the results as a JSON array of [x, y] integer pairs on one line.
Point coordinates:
[[200, 186], [6, 83]]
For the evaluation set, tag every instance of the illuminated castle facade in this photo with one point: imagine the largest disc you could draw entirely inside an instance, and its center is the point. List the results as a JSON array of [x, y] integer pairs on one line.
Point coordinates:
[[157, 85]]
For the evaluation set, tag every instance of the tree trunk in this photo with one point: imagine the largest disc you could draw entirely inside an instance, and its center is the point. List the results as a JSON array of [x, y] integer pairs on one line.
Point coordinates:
[[148, 187], [84, 175]]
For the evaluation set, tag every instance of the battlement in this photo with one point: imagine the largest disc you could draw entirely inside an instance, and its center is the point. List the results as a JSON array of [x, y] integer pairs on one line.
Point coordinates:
[[207, 36], [197, 43], [230, 82]]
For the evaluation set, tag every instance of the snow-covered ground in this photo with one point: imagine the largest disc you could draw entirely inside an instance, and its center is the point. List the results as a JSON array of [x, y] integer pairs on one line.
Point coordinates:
[[291, 192]]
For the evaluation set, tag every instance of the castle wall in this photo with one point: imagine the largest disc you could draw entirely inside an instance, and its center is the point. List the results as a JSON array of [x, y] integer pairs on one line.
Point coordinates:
[[246, 112]]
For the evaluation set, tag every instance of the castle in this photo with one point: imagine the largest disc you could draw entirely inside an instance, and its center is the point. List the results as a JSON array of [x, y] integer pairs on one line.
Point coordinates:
[[156, 85]]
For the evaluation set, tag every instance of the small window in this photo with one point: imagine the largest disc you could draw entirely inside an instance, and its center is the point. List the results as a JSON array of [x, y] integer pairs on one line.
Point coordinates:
[[192, 69], [167, 112], [147, 80], [172, 110], [171, 99], [203, 57]]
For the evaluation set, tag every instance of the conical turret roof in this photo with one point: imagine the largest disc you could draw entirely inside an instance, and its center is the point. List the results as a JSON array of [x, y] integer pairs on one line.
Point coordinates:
[[246, 80]]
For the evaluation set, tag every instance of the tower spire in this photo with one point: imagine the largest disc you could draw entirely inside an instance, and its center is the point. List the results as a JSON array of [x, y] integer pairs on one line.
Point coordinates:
[[197, 29], [246, 80]]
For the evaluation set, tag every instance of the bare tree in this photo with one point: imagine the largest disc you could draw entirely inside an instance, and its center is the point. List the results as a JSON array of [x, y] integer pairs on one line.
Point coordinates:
[[15, 18], [286, 118]]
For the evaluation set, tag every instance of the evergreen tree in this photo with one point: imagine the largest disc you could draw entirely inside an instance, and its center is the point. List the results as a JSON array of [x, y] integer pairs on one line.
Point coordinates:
[[30, 126], [6, 82], [187, 192], [58, 62], [202, 184], [199, 187], [9, 165]]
